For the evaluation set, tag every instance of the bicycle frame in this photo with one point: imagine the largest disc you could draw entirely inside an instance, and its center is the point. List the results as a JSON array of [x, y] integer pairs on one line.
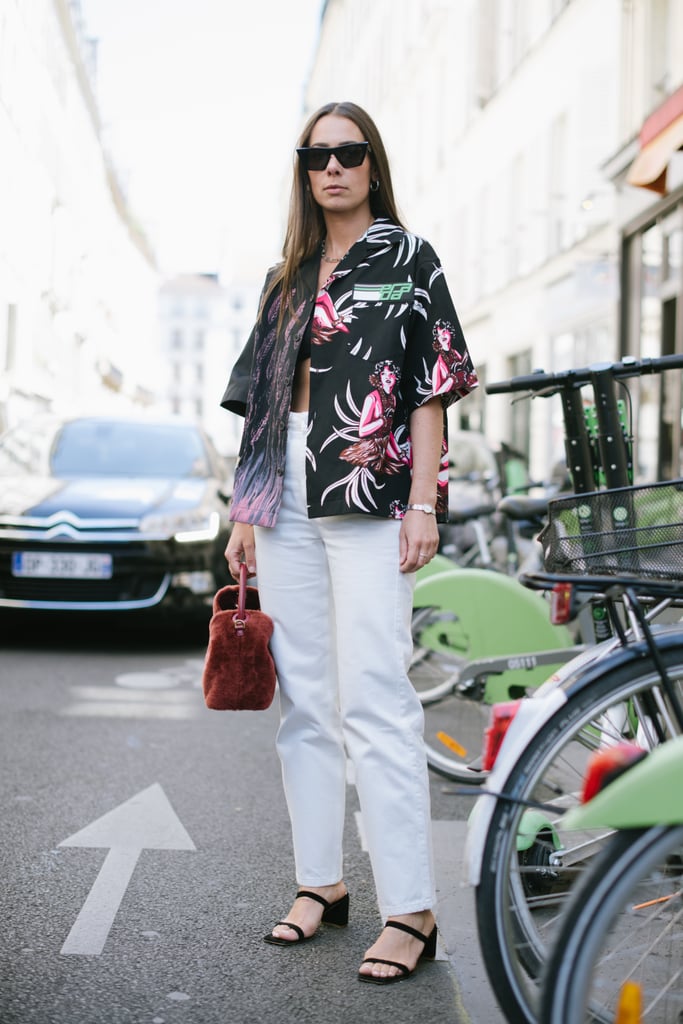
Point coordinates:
[[470, 600]]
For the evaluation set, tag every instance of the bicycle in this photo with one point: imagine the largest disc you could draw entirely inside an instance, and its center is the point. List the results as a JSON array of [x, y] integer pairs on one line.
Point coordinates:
[[456, 654], [622, 938], [520, 870], [459, 668], [480, 533], [522, 862]]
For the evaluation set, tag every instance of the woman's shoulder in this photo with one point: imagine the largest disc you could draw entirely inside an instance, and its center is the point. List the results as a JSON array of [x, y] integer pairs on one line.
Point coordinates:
[[269, 289], [272, 273], [384, 232]]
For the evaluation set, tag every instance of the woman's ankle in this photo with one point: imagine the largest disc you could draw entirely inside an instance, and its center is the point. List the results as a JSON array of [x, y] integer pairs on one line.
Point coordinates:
[[328, 892], [421, 919]]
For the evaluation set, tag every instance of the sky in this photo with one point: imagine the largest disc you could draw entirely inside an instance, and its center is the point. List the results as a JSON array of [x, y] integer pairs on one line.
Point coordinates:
[[201, 102]]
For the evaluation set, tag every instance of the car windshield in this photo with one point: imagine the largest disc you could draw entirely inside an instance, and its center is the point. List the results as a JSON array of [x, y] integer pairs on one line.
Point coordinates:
[[95, 447], [92, 447]]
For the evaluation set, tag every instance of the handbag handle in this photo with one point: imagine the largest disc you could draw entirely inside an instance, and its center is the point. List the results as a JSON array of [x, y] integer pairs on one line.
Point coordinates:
[[239, 619], [242, 594]]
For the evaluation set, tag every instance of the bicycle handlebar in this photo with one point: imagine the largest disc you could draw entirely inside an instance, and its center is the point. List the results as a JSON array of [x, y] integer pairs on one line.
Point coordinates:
[[552, 382]]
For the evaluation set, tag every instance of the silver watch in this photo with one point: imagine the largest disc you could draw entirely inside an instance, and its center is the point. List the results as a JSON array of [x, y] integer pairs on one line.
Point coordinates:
[[429, 509]]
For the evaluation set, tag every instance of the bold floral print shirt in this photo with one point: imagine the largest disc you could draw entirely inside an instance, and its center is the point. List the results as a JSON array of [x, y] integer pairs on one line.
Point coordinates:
[[385, 339]]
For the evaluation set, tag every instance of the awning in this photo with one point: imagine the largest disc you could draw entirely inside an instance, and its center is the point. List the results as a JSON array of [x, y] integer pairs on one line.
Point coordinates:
[[660, 137]]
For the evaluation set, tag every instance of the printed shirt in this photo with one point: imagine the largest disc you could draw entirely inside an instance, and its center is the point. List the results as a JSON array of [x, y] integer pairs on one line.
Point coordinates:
[[385, 340]]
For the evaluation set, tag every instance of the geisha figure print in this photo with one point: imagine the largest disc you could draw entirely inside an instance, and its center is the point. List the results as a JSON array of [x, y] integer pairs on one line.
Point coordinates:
[[378, 449], [375, 448], [451, 370]]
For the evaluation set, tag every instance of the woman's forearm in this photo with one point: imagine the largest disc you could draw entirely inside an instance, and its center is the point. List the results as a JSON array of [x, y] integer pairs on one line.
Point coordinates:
[[426, 434]]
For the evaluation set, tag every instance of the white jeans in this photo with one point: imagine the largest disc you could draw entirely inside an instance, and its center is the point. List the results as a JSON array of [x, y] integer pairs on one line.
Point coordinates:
[[341, 645]]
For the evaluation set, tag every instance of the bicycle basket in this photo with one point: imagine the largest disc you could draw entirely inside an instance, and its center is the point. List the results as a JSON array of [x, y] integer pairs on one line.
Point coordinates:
[[635, 530]]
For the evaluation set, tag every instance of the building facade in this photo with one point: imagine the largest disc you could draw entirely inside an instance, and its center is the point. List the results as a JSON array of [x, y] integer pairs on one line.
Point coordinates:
[[204, 326], [511, 126], [78, 285], [647, 172]]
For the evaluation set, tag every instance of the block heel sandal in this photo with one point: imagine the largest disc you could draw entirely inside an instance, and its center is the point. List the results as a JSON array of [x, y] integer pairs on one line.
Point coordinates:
[[336, 913], [428, 953]]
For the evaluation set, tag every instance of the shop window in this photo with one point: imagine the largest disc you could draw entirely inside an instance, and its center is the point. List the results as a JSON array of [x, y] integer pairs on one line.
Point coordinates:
[[652, 308]]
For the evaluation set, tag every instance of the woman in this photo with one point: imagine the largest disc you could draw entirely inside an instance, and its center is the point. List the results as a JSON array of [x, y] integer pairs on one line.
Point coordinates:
[[336, 548]]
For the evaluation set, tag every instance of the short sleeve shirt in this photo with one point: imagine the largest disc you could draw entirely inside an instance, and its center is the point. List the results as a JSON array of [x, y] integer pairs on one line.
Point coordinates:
[[385, 339]]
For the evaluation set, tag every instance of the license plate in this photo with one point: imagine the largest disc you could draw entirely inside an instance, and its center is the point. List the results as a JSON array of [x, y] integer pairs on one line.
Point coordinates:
[[52, 565]]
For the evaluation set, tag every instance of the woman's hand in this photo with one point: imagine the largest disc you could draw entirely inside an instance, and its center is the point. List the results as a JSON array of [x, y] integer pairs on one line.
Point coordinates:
[[241, 548], [418, 540]]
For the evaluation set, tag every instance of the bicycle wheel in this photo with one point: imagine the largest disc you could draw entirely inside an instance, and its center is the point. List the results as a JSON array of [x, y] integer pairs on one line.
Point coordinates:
[[529, 865], [625, 923], [450, 757]]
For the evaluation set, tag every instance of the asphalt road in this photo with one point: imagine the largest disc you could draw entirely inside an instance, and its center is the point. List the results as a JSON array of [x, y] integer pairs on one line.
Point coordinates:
[[145, 852]]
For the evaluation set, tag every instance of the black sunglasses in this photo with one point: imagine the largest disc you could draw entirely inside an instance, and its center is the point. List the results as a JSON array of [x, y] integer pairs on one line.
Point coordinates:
[[316, 158]]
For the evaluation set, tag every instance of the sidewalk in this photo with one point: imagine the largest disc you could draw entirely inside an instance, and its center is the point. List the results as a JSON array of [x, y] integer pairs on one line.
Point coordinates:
[[458, 927]]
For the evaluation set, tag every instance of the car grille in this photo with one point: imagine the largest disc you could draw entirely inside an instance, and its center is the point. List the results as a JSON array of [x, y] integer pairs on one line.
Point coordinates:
[[127, 587], [141, 577]]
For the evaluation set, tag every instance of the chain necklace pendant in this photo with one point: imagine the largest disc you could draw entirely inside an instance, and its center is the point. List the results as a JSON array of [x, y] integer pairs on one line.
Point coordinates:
[[329, 259]]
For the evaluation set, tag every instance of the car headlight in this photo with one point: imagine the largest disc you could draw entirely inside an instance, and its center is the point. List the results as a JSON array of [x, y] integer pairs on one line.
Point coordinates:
[[185, 527]]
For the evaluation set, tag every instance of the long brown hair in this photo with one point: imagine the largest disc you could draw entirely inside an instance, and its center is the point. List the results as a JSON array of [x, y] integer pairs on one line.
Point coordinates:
[[306, 224]]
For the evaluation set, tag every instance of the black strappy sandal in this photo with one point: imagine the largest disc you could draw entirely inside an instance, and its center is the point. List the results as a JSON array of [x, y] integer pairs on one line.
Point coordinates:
[[336, 913], [428, 953]]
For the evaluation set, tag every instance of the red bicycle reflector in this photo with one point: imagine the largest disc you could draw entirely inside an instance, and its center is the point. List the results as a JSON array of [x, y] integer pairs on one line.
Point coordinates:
[[499, 723], [561, 604], [604, 766]]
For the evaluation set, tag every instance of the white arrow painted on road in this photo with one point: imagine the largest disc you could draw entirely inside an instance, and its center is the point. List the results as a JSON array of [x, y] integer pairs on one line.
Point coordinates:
[[146, 821]]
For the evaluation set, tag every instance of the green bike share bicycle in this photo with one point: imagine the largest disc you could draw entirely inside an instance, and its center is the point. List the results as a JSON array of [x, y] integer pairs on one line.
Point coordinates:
[[624, 547], [481, 637]]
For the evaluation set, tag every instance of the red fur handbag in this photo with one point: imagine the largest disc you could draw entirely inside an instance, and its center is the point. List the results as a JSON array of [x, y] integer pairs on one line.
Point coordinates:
[[239, 673]]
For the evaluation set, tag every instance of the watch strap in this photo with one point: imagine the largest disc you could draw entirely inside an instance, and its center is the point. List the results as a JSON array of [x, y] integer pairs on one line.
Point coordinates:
[[421, 507]]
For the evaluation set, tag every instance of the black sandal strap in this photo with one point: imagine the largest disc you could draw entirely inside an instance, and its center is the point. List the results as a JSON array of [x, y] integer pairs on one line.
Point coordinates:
[[313, 896], [406, 928], [389, 963], [294, 927]]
